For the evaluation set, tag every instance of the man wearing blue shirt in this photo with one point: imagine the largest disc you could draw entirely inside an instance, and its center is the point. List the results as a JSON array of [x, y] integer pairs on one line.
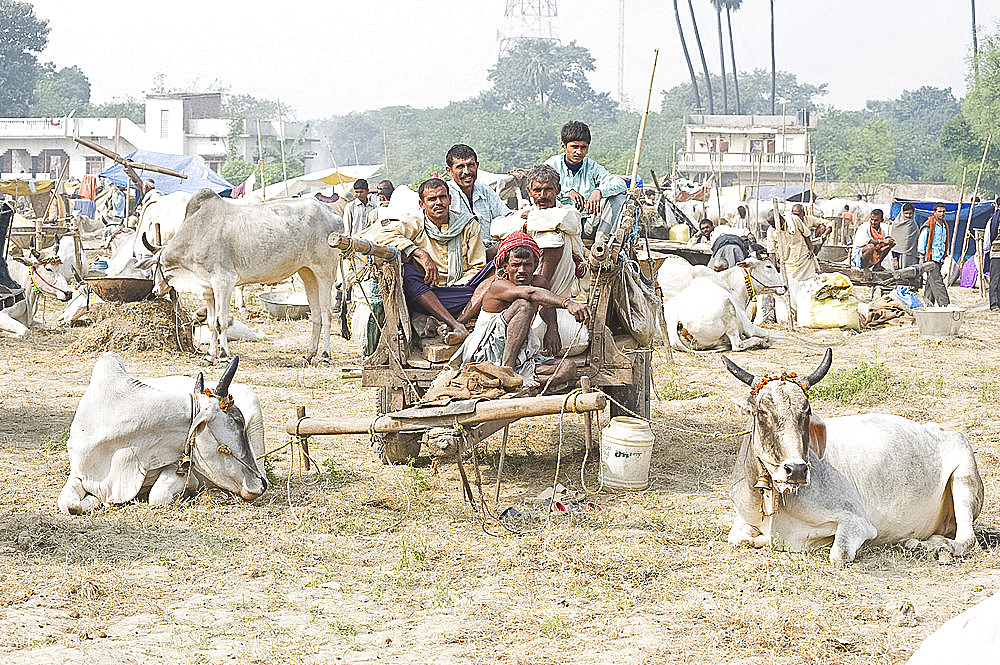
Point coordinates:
[[585, 183], [932, 244], [473, 197]]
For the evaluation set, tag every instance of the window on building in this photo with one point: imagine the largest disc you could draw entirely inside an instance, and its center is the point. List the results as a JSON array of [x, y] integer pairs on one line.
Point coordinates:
[[214, 163], [94, 165], [164, 123]]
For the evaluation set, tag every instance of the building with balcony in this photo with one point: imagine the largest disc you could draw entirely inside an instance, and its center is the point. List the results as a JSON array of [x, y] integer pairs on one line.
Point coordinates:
[[735, 148], [179, 124]]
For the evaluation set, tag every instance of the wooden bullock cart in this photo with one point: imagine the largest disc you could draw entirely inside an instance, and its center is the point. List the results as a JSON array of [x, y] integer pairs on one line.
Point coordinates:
[[614, 365]]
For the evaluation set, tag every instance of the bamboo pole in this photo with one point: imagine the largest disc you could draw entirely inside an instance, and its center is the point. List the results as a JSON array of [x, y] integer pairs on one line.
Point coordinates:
[[497, 409], [281, 131], [972, 202], [642, 125], [958, 213], [781, 259], [260, 163]]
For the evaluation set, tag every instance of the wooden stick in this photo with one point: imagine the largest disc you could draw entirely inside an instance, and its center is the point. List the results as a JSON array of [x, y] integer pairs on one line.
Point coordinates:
[[642, 125], [503, 454], [497, 409], [781, 258], [972, 203], [300, 413], [260, 163], [281, 131], [958, 216], [362, 246]]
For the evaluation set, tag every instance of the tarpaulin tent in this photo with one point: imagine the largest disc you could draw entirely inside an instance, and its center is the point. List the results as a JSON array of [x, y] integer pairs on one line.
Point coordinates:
[[796, 193], [980, 214], [199, 176], [343, 177]]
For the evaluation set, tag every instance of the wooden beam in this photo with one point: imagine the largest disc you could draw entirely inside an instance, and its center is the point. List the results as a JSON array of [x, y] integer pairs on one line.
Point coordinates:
[[497, 409]]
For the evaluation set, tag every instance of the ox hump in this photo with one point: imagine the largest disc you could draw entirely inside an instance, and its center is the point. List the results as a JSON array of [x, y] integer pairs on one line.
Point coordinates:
[[200, 199]]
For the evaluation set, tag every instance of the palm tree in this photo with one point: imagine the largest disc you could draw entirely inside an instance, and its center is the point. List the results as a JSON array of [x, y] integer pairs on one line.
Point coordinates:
[[704, 64], [772, 57], [733, 5], [975, 44], [722, 53], [687, 58]]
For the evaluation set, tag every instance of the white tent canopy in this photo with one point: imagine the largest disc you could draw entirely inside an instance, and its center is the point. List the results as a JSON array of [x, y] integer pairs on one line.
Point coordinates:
[[340, 179]]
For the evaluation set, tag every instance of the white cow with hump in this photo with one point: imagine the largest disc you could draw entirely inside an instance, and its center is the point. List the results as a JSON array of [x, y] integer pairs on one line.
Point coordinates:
[[159, 438], [971, 638], [709, 311], [38, 280], [803, 482], [222, 244]]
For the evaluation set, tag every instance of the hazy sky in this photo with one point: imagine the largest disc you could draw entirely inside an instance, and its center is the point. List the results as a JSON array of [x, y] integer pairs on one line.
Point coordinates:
[[323, 58]]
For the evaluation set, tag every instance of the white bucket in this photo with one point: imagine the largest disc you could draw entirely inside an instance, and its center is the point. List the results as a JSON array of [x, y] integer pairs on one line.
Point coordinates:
[[938, 321], [626, 449]]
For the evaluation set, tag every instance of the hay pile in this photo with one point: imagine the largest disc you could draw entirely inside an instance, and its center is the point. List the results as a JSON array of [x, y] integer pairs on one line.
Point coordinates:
[[135, 327]]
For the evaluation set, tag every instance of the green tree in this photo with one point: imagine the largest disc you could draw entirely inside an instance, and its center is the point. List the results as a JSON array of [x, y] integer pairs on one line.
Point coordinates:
[[60, 92], [541, 72], [964, 137], [248, 107], [756, 93], [22, 36], [866, 156], [128, 107]]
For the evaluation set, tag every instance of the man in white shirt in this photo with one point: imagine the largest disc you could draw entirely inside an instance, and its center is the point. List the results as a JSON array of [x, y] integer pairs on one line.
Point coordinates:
[[356, 212]]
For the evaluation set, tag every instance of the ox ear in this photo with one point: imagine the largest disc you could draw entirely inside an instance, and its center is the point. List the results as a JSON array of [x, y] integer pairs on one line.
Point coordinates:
[[817, 436], [743, 404], [199, 383]]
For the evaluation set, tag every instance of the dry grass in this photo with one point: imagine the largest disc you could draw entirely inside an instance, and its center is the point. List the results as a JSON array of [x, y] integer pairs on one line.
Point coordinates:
[[362, 562]]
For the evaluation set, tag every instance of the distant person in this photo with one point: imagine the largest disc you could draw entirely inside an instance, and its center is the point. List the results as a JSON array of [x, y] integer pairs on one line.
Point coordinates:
[[992, 242], [468, 195], [932, 244], [788, 245], [704, 234], [356, 212], [596, 193], [740, 219], [385, 190], [904, 231], [871, 244]]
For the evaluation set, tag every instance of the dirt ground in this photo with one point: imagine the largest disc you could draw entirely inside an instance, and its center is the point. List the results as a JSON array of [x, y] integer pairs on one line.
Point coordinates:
[[364, 563]]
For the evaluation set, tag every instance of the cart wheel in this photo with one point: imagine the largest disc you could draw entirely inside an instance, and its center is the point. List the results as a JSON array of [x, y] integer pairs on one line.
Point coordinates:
[[395, 447], [634, 397]]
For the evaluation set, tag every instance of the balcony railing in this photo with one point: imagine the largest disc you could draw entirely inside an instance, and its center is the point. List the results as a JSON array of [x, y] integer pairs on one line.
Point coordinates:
[[713, 160]]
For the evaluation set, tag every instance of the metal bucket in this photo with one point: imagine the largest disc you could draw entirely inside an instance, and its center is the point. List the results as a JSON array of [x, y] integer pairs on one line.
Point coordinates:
[[939, 321]]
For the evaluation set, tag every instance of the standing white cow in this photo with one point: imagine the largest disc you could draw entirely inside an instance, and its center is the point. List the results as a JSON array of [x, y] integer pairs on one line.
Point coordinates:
[[222, 244], [129, 439], [710, 312], [802, 481]]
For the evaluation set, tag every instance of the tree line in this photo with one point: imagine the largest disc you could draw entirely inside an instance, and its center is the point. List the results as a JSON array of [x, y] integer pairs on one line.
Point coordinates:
[[923, 135]]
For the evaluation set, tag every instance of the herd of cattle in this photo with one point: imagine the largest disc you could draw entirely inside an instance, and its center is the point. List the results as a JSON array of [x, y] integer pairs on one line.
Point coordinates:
[[799, 481]]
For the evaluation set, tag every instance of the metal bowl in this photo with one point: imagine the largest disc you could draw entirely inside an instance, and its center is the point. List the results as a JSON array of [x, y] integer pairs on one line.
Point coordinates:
[[285, 304], [121, 289]]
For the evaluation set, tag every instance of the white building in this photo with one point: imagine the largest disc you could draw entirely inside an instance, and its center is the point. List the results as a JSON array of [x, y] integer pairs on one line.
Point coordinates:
[[735, 147], [180, 124]]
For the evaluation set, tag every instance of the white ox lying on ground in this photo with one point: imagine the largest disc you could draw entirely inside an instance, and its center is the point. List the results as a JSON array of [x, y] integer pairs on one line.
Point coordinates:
[[801, 481], [130, 439], [222, 244], [30, 274], [971, 638], [709, 313]]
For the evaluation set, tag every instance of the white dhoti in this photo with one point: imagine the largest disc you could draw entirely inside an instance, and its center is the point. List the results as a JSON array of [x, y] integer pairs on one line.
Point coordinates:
[[487, 342]]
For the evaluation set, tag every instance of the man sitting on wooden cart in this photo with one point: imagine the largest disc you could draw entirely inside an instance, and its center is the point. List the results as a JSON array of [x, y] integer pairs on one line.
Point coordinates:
[[448, 247], [503, 333]]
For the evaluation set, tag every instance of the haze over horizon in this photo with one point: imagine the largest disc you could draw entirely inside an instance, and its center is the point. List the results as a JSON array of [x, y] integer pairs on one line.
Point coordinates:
[[322, 62]]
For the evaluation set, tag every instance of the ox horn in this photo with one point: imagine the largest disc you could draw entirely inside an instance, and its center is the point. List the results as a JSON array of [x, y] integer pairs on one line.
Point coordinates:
[[153, 249], [740, 373], [222, 390], [820, 372]]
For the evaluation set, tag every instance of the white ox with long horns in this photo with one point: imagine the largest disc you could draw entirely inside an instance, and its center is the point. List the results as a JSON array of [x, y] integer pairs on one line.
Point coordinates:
[[223, 244], [802, 482], [131, 440], [709, 312]]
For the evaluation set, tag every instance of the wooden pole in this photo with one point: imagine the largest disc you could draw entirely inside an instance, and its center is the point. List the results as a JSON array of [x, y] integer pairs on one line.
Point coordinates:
[[362, 246], [972, 203], [958, 213], [300, 413], [781, 259], [385, 151], [642, 124], [497, 409], [284, 167], [260, 163]]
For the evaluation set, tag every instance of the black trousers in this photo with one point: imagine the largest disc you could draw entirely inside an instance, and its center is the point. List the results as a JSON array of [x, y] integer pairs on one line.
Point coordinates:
[[994, 282], [6, 216]]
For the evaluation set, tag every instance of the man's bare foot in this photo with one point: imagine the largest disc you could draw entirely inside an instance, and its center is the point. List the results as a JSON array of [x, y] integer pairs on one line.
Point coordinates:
[[453, 337]]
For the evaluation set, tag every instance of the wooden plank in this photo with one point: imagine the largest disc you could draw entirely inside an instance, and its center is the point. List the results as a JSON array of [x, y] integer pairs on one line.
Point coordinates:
[[497, 409]]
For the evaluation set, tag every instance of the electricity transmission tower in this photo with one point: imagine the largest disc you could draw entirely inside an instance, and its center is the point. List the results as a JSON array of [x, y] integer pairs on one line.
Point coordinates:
[[528, 19]]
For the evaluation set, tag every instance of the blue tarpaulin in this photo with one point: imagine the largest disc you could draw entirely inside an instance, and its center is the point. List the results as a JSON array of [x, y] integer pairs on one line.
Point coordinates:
[[795, 193], [980, 214], [199, 176]]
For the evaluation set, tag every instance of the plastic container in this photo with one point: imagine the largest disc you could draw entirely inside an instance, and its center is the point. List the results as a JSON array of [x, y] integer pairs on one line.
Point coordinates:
[[626, 449], [680, 233], [939, 321]]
